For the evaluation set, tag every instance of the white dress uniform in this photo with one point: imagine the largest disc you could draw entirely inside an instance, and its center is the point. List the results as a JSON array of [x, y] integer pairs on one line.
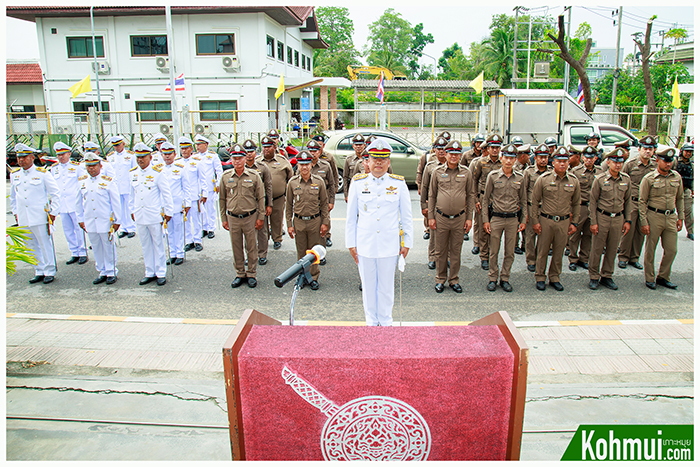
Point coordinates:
[[375, 208], [196, 180], [122, 163], [211, 165], [66, 176], [31, 192], [149, 196], [181, 194], [100, 201]]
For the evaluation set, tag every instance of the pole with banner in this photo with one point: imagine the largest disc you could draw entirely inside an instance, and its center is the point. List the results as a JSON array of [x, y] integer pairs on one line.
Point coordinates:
[[173, 84]]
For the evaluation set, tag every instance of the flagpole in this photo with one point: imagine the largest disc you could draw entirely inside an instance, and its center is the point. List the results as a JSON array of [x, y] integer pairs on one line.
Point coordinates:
[[171, 59], [97, 79]]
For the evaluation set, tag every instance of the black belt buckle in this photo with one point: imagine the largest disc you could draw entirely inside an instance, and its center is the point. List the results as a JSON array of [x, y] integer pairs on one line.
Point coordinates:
[[556, 218]]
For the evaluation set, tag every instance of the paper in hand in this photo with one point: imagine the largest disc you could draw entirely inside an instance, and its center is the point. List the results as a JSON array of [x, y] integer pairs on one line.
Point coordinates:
[[402, 263]]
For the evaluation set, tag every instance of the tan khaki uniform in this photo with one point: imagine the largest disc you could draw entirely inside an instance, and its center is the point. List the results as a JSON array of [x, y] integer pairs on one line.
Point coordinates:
[[558, 197], [424, 192], [469, 156], [530, 176], [306, 210], [422, 162], [665, 194], [687, 196], [262, 234], [281, 171], [348, 168], [242, 202], [580, 241], [323, 169], [507, 198], [631, 245], [482, 167], [450, 203], [610, 206]]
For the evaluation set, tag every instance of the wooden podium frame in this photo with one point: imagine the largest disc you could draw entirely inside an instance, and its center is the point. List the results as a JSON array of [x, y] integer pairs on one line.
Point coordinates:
[[250, 317]]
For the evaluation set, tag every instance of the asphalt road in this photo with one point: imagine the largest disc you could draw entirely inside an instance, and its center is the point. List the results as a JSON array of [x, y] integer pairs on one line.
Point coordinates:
[[201, 287]]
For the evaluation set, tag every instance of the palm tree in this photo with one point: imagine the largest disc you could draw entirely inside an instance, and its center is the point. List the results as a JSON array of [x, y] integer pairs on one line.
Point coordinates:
[[498, 56], [676, 34]]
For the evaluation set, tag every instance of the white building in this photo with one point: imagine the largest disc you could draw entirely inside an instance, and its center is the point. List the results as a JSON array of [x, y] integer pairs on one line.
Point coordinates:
[[231, 58]]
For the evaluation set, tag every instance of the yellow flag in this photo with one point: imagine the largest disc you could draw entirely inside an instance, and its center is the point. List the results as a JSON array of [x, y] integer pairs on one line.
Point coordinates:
[[676, 95], [81, 87], [280, 87], [477, 83]]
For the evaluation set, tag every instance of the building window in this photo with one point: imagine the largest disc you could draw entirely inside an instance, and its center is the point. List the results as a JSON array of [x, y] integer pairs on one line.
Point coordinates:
[[270, 47], [296, 58], [82, 108], [24, 111], [158, 111], [308, 63], [149, 46], [218, 110], [280, 51], [81, 47], [303, 61], [289, 55], [215, 44]]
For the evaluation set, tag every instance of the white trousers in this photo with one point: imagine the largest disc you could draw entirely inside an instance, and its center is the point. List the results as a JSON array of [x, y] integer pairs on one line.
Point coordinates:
[[151, 236], [176, 235], [209, 214], [194, 224], [74, 234], [105, 253], [377, 275], [128, 224], [40, 242]]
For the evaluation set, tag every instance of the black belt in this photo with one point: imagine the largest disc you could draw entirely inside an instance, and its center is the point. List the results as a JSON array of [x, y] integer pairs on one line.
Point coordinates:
[[555, 218], [505, 215], [451, 217], [482, 191], [666, 212], [584, 203], [635, 199], [278, 197], [241, 216], [306, 218], [610, 214], [529, 203]]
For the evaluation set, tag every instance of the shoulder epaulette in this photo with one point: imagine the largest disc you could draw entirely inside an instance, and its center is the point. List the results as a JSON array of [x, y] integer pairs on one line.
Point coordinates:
[[179, 164], [211, 152], [53, 165], [15, 169], [41, 169], [397, 177], [130, 152], [75, 163], [82, 177], [197, 158], [157, 168], [105, 177], [360, 176], [132, 169]]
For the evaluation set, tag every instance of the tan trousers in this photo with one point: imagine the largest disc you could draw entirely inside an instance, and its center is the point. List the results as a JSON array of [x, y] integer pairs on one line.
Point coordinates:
[[484, 240], [661, 227], [264, 238], [307, 234], [580, 241], [477, 229], [530, 243], [277, 218], [448, 243], [554, 235], [631, 245], [499, 227], [608, 238], [240, 231], [688, 203]]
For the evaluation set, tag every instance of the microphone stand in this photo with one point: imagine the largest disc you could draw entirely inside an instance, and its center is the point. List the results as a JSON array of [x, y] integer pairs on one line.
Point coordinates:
[[304, 276]]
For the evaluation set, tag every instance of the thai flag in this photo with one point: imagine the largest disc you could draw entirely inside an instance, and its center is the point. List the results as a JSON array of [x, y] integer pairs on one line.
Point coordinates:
[[579, 96], [380, 89], [179, 83]]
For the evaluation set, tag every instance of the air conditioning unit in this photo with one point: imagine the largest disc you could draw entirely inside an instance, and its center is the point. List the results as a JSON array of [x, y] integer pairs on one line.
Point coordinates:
[[102, 67], [541, 69], [162, 64], [231, 63], [165, 129], [63, 129], [199, 128]]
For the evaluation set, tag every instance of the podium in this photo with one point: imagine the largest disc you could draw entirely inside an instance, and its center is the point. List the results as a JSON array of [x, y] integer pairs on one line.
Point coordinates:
[[375, 393]]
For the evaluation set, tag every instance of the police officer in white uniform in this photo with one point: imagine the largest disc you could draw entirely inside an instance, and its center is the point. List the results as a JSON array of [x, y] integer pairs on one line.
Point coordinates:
[[379, 207], [105, 167], [196, 179], [157, 155], [123, 161], [180, 191], [150, 201], [211, 164], [34, 199], [99, 216]]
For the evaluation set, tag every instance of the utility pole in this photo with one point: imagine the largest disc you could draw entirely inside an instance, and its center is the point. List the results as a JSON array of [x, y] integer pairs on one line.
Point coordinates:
[[566, 64], [616, 73], [171, 59]]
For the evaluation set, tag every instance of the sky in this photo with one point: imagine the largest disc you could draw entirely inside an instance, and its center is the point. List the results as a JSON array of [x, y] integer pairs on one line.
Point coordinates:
[[449, 22]]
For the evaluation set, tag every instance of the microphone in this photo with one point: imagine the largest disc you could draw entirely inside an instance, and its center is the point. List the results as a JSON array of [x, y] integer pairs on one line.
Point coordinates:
[[313, 256]]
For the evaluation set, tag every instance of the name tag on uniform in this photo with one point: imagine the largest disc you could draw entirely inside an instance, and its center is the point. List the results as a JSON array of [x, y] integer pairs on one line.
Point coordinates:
[[314, 186], [444, 175], [461, 175]]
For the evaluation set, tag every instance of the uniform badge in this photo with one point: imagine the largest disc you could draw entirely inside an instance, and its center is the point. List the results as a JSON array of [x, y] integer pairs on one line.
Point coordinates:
[[391, 190]]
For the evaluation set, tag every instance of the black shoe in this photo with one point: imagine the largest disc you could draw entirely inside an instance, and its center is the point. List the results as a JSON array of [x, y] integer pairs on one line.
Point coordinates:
[[277, 245], [466, 237], [475, 250], [456, 287], [252, 282], [146, 280], [82, 260], [131, 235], [322, 262], [636, 265], [491, 287], [170, 261], [431, 264], [189, 246], [439, 288], [531, 267], [540, 285], [557, 286], [122, 234], [36, 279], [99, 280], [111, 280], [210, 235], [360, 287], [314, 285], [198, 247], [566, 252], [262, 261], [179, 261], [48, 279], [237, 282], [484, 265], [581, 264], [608, 282], [73, 259], [518, 250], [651, 285], [659, 281], [691, 236], [622, 264], [329, 243], [426, 236], [204, 233], [550, 252], [593, 284], [572, 266], [505, 285], [161, 281]]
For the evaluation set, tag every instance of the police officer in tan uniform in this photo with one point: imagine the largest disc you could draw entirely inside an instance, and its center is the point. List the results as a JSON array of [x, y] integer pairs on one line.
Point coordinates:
[[307, 210], [610, 208], [556, 203], [334, 172], [660, 202], [441, 156], [321, 168], [574, 157], [636, 168], [358, 145], [624, 145], [482, 167], [530, 176], [580, 241], [684, 166], [281, 171], [475, 151], [250, 154], [450, 204], [242, 205], [504, 213], [420, 170]]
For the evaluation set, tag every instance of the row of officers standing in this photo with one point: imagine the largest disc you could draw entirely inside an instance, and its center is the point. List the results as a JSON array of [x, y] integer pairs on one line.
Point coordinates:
[[588, 202]]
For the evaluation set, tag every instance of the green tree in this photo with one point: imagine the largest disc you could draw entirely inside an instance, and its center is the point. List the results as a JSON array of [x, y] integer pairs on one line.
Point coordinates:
[[676, 34], [420, 40], [498, 56], [391, 39], [16, 249], [336, 28]]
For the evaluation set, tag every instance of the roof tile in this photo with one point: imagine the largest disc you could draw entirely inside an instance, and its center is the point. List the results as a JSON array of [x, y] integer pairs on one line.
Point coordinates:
[[24, 73]]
